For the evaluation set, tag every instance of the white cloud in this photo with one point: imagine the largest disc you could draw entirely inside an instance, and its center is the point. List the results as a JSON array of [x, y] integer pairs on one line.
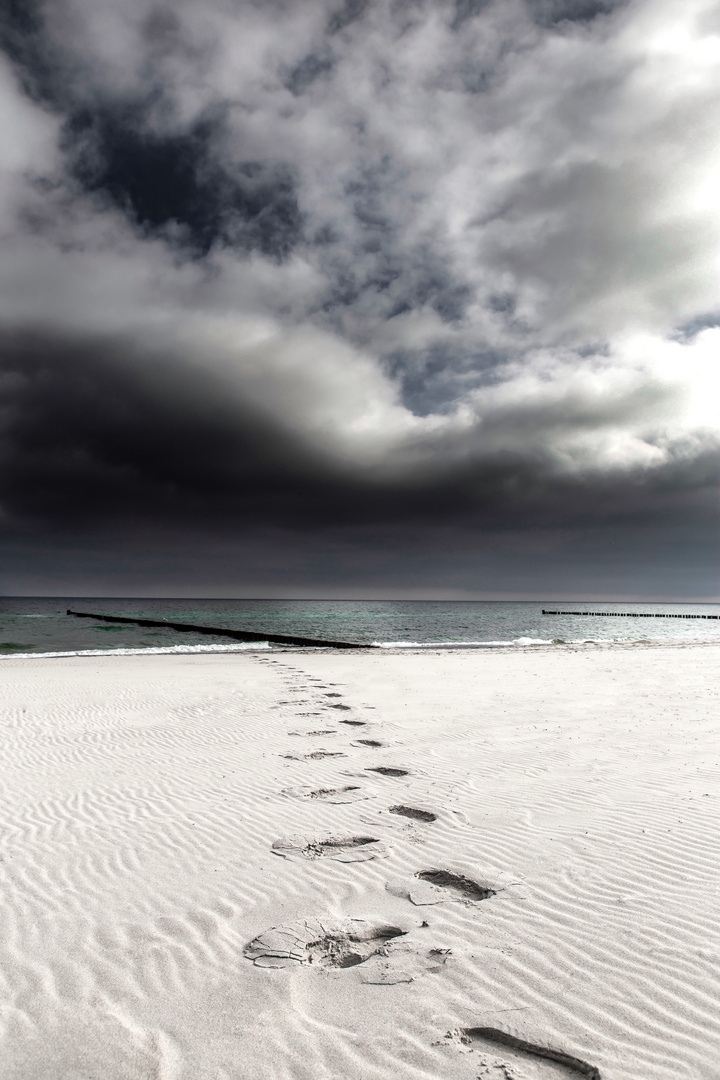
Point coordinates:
[[29, 148]]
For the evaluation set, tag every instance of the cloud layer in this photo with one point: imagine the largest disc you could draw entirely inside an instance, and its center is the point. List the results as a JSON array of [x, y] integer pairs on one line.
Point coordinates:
[[436, 278]]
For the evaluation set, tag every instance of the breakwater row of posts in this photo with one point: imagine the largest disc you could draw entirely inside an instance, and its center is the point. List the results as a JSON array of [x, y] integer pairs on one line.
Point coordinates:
[[217, 631], [630, 614]]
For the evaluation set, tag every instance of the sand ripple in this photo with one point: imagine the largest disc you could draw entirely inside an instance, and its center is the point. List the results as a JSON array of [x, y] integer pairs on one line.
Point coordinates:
[[547, 827]]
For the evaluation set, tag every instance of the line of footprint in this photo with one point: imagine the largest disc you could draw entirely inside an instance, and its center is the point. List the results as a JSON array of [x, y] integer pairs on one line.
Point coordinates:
[[351, 942], [357, 848]]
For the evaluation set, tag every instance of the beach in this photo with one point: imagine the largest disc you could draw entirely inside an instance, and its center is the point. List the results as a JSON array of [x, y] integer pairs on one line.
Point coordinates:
[[383, 865]]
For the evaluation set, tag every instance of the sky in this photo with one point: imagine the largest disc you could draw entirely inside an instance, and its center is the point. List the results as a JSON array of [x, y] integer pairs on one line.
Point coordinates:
[[389, 298]]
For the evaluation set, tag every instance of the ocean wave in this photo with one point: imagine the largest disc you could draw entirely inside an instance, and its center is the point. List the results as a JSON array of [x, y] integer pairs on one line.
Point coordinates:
[[462, 644], [528, 641], [154, 650], [264, 646]]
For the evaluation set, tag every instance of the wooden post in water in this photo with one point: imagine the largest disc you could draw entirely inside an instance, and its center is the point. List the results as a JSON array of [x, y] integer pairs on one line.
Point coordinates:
[[631, 614], [217, 631]]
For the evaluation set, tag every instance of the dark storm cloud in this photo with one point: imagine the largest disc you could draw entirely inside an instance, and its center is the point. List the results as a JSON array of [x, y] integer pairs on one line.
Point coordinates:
[[313, 66], [170, 181], [552, 12], [373, 266], [466, 9], [346, 14], [390, 275], [22, 38], [428, 377], [88, 435], [95, 432], [172, 184], [397, 285]]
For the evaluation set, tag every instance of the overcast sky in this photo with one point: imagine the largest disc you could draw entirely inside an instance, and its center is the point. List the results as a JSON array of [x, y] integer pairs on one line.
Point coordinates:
[[382, 297]]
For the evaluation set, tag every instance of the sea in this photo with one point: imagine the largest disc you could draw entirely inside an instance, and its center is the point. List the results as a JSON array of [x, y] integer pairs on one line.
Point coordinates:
[[41, 625]]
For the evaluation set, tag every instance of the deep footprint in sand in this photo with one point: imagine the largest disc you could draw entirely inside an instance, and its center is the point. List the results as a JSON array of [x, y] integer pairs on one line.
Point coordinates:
[[328, 944], [346, 708], [347, 794], [368, 742], [355, 723], [438, 887], [465, 888], [412, 812], [341, 849], [387, 770], [316, 755], [324, 731], [575, 1065]]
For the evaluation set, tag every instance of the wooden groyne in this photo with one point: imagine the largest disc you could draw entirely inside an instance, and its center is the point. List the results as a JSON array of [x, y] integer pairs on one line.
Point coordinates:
[[217, 631], [630, 614]]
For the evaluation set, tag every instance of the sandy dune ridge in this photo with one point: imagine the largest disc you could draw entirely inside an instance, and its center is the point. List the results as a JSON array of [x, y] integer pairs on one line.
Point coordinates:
[[378, 866]]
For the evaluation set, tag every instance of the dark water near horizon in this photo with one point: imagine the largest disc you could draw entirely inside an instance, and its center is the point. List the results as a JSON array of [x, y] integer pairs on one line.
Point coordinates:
[[41, 625]]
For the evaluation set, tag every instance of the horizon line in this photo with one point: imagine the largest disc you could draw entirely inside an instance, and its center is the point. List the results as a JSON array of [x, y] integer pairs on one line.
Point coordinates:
[[371, 599]]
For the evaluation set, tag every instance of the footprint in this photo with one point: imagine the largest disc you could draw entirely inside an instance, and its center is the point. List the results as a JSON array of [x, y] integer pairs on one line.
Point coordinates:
[[403, 965], [464, 887], [412, 812], [341, 849], [326, 731], [311, 941], [368, 742], [386, 770], [350, 793], [340, 706], [355, 723], [316, 755], [494, 1035], [438, 887], [347, 794], [332, 694]]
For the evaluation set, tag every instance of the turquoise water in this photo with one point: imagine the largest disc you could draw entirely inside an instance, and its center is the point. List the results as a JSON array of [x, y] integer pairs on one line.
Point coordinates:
[[40, 625]]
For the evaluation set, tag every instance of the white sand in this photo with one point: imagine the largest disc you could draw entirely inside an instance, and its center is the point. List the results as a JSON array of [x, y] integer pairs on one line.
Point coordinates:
[[140, 798]]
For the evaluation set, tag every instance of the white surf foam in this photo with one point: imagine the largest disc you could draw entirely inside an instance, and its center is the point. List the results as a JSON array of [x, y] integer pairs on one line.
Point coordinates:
[[151, 650], [461, 644]]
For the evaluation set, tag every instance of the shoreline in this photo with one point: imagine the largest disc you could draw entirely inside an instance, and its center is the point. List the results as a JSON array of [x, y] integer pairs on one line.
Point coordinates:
[[538, 831], [391, 648]]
